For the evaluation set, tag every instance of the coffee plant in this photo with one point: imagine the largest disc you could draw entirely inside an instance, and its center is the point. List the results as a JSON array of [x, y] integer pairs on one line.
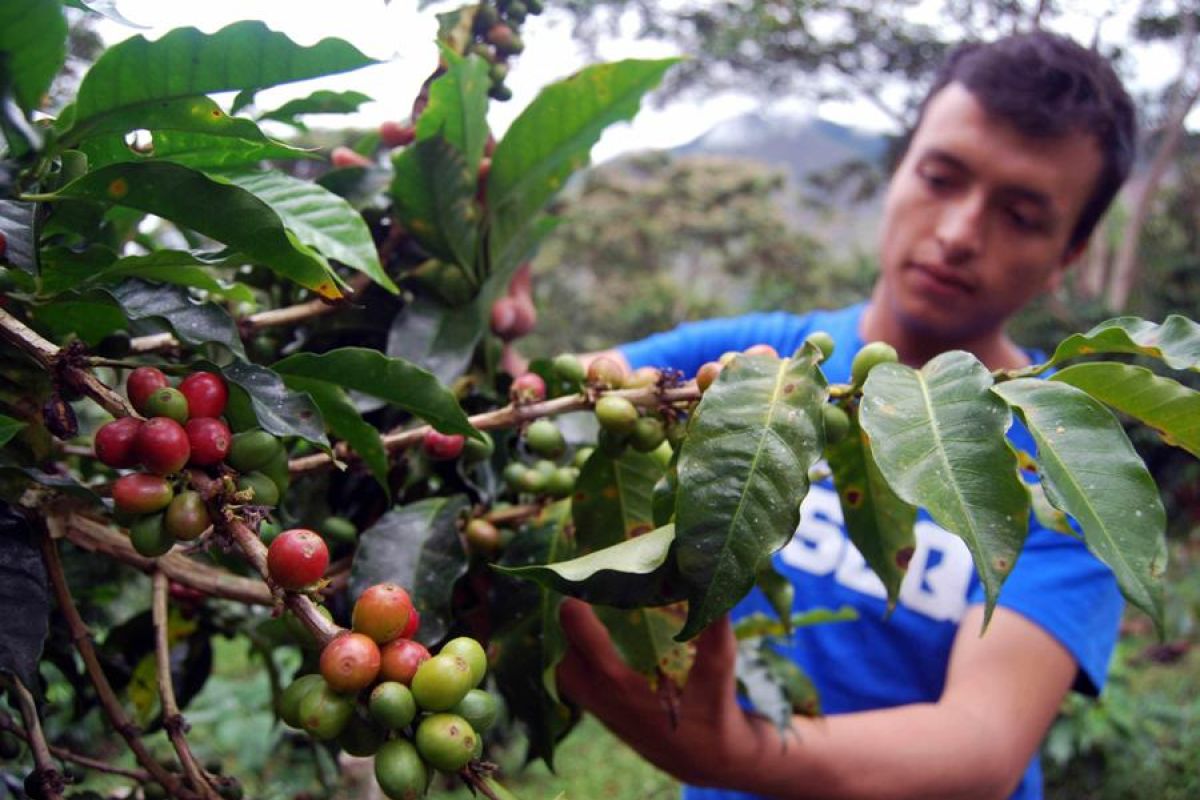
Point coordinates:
[[288, 402]]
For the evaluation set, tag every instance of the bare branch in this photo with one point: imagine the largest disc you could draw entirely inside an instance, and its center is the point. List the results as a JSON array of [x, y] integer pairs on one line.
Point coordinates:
[[173, 721], [63, 754], [48, 775], [51, 358], [108, 699]]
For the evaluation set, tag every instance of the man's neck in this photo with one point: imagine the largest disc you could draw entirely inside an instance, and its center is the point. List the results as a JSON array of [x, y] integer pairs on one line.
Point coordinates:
[[995, 349]]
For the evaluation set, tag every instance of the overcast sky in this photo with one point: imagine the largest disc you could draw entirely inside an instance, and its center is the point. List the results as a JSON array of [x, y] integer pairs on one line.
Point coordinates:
[[402, 37]]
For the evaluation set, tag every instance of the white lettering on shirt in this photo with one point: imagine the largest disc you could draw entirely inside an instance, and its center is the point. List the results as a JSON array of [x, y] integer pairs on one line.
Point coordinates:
[[939, 573]]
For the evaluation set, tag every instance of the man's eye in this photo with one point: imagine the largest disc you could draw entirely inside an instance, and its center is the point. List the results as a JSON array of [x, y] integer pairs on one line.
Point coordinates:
[[1026, 222], [937, 180]]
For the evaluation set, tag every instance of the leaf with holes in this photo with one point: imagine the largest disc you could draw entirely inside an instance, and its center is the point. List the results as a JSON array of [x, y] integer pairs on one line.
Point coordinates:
[[137, 74], [1167, 406], [213, 207], [1091, 471], [878, 522], [937, 435], [743, 471], [417, 546]]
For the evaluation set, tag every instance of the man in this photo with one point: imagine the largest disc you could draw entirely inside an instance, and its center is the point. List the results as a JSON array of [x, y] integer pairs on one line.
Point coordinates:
[[1020, 148]]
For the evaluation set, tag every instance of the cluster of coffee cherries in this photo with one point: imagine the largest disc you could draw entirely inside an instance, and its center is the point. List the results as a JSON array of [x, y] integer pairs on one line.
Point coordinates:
[[381, 693], [496, 38], [623, 424], [181, 427]]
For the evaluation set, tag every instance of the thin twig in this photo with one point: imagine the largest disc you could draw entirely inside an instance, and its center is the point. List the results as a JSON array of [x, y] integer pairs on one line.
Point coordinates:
[[108, 698], [213, 581], [173, 721], [50, 778], [50, 356], [63, 754], [509, 416]]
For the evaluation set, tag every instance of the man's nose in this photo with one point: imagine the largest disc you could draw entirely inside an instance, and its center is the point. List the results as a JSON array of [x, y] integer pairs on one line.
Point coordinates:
[[960, 228]]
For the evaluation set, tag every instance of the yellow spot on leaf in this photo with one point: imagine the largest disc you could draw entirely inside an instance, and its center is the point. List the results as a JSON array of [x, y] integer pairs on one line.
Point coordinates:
[[118, 188]]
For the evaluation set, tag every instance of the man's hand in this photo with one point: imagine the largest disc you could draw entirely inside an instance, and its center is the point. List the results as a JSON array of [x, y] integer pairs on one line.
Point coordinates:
[[714, 743]]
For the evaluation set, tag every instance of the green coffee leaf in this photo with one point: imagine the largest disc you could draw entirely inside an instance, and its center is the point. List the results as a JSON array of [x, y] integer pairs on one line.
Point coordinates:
[[65, 268], [878, 522], [530, 645], [245, 56], [645, 638], [637, 572], [743, 471], [391, 379], [434, 194], [345, 421], [319, 218], [196, 150], [553, 138], [937, 435], [437, 337], [417, 546], [321, 101], [612, 500], [25, 597], [193, 323], [1176, 341], [258, 391], [1092, 472], [457, 109], [1167, 406], [33, 46], [9, 428], [17, 227], [213, 207]]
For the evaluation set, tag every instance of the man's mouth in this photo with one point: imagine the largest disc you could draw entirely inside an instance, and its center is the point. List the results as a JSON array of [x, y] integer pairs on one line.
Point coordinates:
[[938, 280]]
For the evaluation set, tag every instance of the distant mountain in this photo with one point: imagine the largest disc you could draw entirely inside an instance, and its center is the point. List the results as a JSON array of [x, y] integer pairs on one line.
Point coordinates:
[[804, 147]]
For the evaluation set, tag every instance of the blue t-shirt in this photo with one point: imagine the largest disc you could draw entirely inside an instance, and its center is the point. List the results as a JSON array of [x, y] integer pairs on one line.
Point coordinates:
[[876, 662]]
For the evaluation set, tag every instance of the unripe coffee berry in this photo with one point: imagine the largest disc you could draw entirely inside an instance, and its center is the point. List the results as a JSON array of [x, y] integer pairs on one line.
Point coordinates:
[[167, 402], [252, 450], [605, 373], [149, 536], [445, 741], [297, 558], [707, 373], [210, 440], [350, 663], [482, 536], [442, 682], [187, 516], [381, 612], [443, 446], [115, 442], [162, 445], [471, 651], [616, 414], [823, 342], [868, 357], [206, 394], [141, 383], [569, 368], [392, 705], [545, 439]]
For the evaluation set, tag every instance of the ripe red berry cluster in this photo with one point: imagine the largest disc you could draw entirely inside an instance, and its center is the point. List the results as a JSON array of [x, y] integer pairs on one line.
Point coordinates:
[[380, 693], [182, 427]]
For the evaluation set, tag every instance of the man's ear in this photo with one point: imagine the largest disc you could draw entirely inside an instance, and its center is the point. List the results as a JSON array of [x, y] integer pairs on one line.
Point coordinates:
[[1073, 254]]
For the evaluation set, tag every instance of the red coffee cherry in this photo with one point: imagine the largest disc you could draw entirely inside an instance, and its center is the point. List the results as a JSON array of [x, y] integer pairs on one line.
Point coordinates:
[[443, 446], [350, 662], [707, 373], [162, 445], [414, 624], [396, 134], [527, 388], [400, 659], [343, 156], [210, 440], [115, 442], [206, 394], [142, 383], [382, 612], [297, 558], [504, 317], [139, 493]]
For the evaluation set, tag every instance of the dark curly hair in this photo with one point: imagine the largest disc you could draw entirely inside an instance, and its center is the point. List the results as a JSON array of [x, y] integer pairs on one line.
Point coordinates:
[[1047, 85]]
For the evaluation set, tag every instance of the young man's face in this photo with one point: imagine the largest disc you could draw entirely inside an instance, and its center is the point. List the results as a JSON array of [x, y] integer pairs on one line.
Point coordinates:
[[977, 220]]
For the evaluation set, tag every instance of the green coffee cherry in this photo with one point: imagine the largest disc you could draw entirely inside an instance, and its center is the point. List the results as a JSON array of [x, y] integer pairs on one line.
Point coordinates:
[[545, 439], [837, 423], [616, 414], [823, 342], [870, 355], [399, 770], [647, 434], [479, 708], [252, 450], [149, 536], [263, 489], [289, 698], [569, 368]]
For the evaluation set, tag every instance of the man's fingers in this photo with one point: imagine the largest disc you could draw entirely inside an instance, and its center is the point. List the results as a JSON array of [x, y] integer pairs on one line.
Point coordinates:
[[716, 654], [583, 628]]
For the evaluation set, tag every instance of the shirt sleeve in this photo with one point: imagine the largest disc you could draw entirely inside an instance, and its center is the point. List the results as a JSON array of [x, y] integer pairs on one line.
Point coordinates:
[[1061, 587], [691, 344]]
